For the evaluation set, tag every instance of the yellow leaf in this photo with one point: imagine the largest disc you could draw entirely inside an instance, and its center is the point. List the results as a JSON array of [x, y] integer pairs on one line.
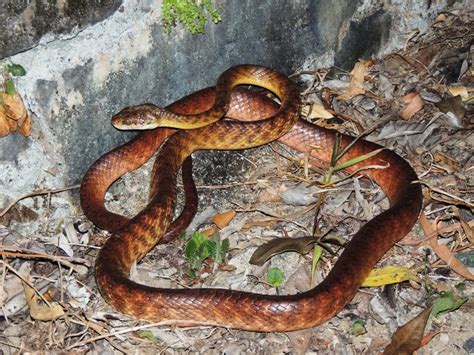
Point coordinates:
[[389, 275], [459, 90]]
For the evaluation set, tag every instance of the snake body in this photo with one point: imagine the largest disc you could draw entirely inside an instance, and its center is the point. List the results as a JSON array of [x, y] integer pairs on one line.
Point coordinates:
[[236, 309]]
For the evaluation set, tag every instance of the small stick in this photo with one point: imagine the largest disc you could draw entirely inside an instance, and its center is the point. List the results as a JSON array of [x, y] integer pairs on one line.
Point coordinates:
[[36, 193]]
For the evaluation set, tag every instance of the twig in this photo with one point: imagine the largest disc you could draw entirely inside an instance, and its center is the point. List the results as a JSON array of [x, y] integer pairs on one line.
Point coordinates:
[[36, 193], [140, 327], [27, 254]]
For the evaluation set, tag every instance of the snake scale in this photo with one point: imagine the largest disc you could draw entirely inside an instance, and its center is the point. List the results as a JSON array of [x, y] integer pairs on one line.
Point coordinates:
[[132, 239]]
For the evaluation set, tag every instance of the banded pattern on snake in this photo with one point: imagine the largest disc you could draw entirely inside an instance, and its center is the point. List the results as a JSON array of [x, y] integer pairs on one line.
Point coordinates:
[[242, 310]]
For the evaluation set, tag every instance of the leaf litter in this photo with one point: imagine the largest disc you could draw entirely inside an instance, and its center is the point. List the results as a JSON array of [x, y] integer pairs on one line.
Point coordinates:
[[418, 101]]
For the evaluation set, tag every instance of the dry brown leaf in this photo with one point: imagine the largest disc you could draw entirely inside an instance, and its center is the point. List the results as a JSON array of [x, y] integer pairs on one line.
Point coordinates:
[[25, 127], [440, 18], [39, 311], [356, 85], [443, 252], [209, 232], [428, 337], [223, 219], [4, 123], [277, 246], [447, 162], [14, 107], [465, 225], [408, 337], [413, 104], [454, 105]]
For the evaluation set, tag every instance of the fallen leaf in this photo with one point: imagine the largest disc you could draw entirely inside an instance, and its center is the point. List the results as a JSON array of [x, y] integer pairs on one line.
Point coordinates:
[[453, 105], [356, 85], [459, 90], [428, 337], [358, 327], [4, 124], [221, 220], [39, 311], [389, 275], [25, 127], [443, 252], [440, 18], [408, 337], [277, 246], [14, 107], [316, 110], [447, 303], [209, 232], [413, 103]]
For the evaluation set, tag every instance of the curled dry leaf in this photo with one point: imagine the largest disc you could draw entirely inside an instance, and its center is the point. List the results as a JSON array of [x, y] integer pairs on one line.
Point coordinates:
[[443, 252], [14, 107], [277, 246], [39, 311], [413, 104], [408, 337], [13, 115]]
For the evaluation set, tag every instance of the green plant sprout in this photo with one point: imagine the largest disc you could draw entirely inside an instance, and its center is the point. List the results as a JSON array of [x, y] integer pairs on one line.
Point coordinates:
[[199, 247], [275, 277], [336, 155], [8, 70], [192, 14]]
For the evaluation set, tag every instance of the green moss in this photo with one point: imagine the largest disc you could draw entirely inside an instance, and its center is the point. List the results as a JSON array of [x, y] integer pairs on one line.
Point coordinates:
[[192, 14]]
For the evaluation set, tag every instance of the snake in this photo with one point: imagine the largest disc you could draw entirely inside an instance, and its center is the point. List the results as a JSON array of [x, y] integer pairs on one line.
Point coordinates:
[[132, 239]]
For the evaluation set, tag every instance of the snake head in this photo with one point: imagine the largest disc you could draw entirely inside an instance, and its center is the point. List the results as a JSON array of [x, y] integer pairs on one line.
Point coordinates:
[[141, 117]]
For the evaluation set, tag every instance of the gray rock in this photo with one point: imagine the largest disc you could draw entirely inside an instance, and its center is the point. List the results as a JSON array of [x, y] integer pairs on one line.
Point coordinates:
[[85, 63]]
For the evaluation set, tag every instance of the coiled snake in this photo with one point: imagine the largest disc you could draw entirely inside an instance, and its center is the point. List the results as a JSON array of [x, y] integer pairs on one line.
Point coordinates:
[[132, 239]]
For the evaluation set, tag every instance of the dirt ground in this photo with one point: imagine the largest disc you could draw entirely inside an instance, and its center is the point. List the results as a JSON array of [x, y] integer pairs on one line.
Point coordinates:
[[418, 101]]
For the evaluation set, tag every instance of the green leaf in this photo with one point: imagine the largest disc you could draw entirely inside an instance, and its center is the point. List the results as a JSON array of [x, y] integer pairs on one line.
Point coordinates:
[[16, 70], [220, 248], [357, 160], [190, 249], [317, 252], [205, 249], [146, 334], [275, 277], [447, 303], [10, 87], [358, 327]]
